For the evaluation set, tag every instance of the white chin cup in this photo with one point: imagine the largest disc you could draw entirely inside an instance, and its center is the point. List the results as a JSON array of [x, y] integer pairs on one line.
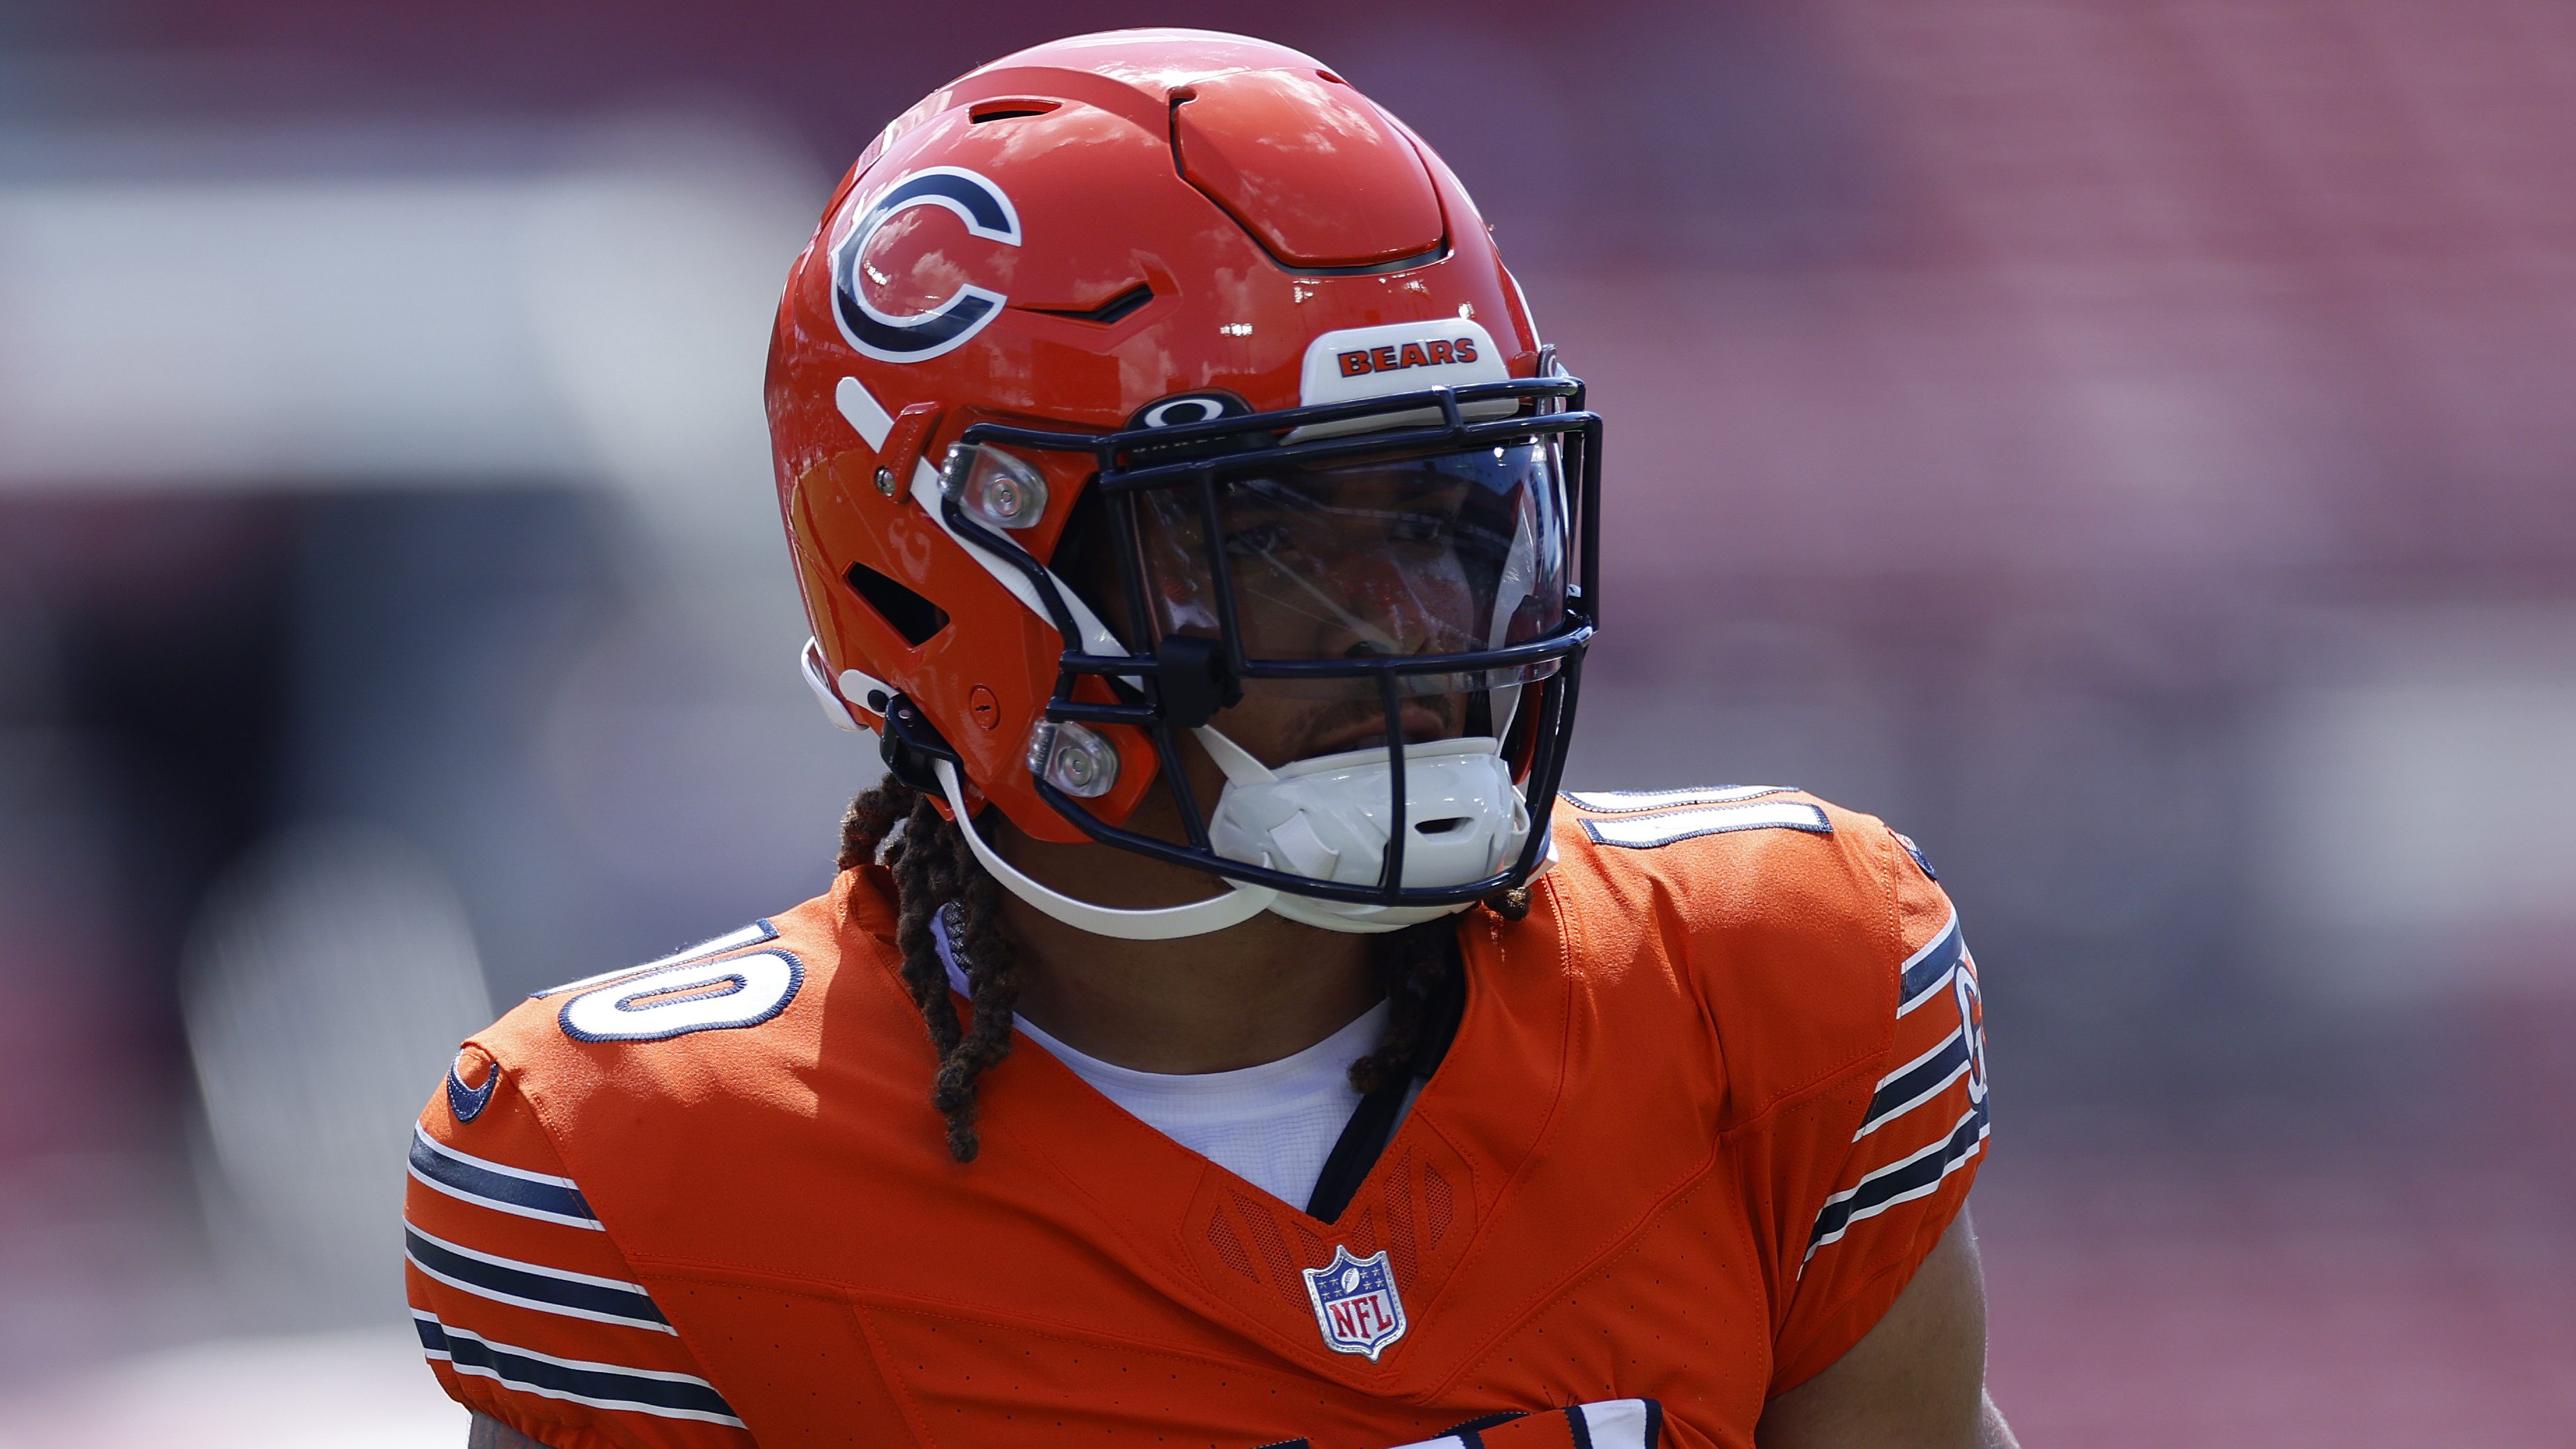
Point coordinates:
[[1328, 818]]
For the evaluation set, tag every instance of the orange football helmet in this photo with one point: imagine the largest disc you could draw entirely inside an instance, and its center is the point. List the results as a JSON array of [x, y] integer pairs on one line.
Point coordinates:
[[1138, 374]]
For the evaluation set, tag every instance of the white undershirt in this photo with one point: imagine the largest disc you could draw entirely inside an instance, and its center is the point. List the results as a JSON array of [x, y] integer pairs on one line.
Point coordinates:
[[1271, 1125]]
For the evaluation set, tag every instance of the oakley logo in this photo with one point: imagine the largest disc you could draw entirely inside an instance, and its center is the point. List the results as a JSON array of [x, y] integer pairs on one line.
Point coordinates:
[[1191, 407], [1411, 354], [920, 336]]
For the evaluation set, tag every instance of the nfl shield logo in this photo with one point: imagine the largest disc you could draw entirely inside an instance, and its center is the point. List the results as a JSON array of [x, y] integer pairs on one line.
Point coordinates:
[[1356, 1304]]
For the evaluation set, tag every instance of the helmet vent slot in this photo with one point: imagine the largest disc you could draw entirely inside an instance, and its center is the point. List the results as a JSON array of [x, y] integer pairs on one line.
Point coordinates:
[[1110, 311], [907, 613], [1441, 827], [1009, 110]]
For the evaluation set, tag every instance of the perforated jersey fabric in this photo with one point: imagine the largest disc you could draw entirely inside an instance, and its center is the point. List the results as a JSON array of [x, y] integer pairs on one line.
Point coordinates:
[[1708, 1107]]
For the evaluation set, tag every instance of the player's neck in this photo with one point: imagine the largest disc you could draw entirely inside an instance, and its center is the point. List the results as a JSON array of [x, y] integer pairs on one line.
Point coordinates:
[[1266, 989]]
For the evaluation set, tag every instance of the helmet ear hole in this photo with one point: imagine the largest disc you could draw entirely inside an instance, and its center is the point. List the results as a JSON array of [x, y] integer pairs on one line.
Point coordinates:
[[907, 613]]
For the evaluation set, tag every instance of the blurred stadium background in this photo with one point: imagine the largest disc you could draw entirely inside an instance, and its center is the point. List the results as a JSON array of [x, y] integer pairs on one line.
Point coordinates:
[[2128, 444]]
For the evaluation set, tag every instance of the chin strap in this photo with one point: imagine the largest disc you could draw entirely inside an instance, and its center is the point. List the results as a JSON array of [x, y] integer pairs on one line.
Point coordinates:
[[1238, 904]]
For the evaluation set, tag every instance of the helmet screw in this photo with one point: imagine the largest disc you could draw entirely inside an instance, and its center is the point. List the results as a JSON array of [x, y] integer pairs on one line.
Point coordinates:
[[885, 481]]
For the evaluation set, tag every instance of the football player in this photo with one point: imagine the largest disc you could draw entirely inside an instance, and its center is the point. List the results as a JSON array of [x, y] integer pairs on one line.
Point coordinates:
[[1220, 1032]]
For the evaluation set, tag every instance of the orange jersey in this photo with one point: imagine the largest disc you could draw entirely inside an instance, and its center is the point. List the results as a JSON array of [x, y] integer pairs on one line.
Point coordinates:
[[1708, 1107]]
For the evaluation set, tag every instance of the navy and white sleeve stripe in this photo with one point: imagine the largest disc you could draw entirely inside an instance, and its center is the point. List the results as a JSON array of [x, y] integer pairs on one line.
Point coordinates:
[[498, 1185], [1928, 970], [579, 1381], [1917, 1082], [1917, 1176], [533, 1285], [1927, 1115]]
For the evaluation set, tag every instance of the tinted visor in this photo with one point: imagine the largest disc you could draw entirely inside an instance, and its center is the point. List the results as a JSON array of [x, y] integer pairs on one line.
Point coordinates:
[[1419, 555]]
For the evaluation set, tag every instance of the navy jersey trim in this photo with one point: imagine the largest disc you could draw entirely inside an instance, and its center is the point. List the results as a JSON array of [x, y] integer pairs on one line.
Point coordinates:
[[497, 1186], [1915, 1083], [533, 1285], [467, 1103], [1898, 1182], [599, 1385], [1928, 970]]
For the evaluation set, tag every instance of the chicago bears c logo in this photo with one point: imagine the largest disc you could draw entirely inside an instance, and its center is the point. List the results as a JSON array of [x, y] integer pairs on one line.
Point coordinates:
[[920, 336]]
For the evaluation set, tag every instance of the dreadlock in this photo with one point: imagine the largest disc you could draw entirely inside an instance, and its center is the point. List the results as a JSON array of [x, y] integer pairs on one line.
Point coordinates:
[[934, 869]]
